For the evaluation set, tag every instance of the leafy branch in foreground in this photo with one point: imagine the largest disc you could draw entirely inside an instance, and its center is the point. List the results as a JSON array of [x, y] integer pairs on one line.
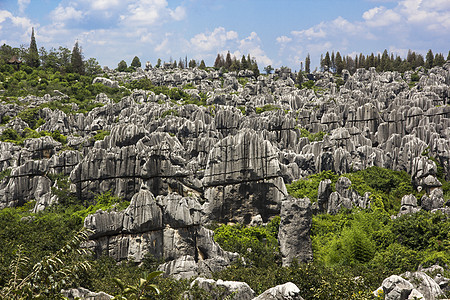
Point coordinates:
[[144, 289], [48, 276]]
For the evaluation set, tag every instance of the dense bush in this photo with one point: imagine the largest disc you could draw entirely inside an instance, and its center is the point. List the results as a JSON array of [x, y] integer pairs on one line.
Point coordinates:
[[258, 245], [308, 187], [312, 137], [267, 107]]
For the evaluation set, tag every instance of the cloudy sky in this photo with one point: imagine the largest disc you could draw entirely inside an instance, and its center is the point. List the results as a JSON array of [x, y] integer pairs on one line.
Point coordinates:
[[277, 32]]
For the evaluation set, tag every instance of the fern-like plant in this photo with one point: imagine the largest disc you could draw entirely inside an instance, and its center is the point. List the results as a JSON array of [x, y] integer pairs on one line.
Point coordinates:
[[48, 276], [144, 289]]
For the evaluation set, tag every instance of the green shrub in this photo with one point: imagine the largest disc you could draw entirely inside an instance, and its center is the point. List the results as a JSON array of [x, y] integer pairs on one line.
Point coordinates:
[[101, 134], [242, 109], [312, 137], [5, 173], [267, 107], [105, 201], [415, 77], [308, 187], [170, 112], [259, 245], [9, 135], [308, 84]]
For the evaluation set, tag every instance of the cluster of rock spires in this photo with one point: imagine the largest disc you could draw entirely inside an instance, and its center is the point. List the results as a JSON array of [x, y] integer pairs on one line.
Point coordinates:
[[186, 166]]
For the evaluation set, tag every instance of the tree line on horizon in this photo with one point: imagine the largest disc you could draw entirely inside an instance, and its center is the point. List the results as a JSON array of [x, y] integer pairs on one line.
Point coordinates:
[[57, 60], [66, 61], [336, 63]]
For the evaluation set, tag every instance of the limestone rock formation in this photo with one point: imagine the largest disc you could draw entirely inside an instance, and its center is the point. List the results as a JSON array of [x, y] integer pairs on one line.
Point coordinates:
[[294, 230], [224, 289], [287, 291], [242, 179], [167, 227]]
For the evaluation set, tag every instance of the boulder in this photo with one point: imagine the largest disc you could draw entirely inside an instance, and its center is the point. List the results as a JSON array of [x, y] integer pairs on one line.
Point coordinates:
[[424, 284], [84, 294], [294, 230], [224, 289], [287, 291]]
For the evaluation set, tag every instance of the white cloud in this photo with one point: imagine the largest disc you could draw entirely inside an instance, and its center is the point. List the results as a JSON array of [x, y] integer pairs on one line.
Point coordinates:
[[216, 40], [150, 12], [381, 17], [23, 5], [63, 14], [283, 39], [103, 4], [312, 32], [22, 22], [178, 14]]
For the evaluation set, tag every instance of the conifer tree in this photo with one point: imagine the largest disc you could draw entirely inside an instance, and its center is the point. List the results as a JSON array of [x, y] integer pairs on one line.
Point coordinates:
[[136, 63], [202, 65], [308, 64], [219, 62], [77, 60], [327, 62], [244, 64], [228, 61], [339, 63], [33, 54], [122, 66]]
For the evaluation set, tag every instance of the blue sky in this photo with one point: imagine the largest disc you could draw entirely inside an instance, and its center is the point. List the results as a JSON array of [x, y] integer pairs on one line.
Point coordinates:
[[277, 32]]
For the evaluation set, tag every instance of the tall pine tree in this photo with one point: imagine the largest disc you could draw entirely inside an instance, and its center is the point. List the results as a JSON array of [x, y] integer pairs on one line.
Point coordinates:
[[77, 60], [308, 64], [33, 54]]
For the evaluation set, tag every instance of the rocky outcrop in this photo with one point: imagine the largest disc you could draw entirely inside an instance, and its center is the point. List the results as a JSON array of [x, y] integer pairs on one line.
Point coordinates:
[[85, 294], [242, 179], [410, 285], [287, 291], [294, 230], [165, 227], [223, 289]]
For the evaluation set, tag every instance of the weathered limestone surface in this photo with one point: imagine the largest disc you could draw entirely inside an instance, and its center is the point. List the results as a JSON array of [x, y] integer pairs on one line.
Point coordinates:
[[294, 230]]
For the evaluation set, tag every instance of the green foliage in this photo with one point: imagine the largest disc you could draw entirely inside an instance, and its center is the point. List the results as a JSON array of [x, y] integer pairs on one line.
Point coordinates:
[[30, 116], [76, 60], [312, 137], [308, 187], [308, 84], [415, 77], [144, 289], [46, 278], [267, 107], [242, 109], [41, 235], [314, 280], [390, 185], [352, 246], [242, 81], [122, 66], [169, 112], [258, 245], [9, 135], [5, 173], [136, 63], [101, 134], [105, 201], [423, 230], [189, 86]]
